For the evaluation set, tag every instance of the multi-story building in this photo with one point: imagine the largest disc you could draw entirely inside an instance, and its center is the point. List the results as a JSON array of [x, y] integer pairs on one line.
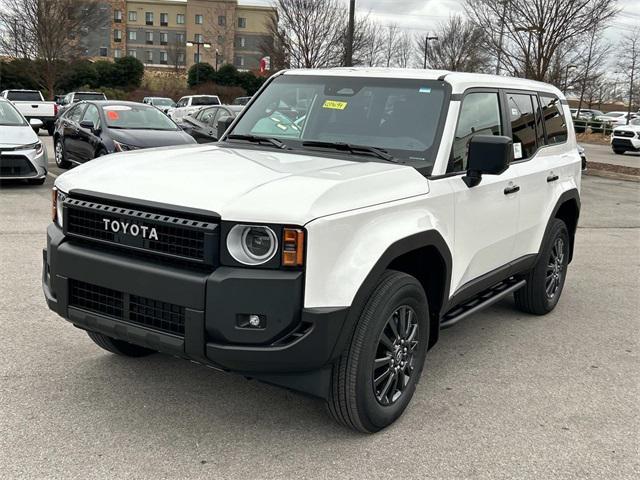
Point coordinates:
[[157, 32]]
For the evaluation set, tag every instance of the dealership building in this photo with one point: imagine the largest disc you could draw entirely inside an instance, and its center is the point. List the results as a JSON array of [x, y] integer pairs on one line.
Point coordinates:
[[165, 33]]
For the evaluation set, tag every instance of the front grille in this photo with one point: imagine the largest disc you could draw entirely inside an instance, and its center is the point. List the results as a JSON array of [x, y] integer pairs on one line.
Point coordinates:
[[623, 133], [153, 314], [16, 166], [158, 233], [621, 142]]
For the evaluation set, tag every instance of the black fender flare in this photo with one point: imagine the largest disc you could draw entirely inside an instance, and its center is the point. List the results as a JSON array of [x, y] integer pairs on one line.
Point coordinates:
[[571, 195], [428, 238]]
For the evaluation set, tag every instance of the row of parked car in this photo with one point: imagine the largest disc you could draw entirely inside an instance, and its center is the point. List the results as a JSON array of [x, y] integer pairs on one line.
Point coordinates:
[[615, 119]]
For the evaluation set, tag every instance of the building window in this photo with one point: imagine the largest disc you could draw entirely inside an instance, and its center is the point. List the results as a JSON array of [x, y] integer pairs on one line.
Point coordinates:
[[199, 19], [117, 16], [180, 58], [149, 38], [149, 56], [196, 58], [133, 16], [164, 19], [133, 35], [163, 58], [242, 42], [132, 53], [239, 61], [242, 22], [220, 40], [103, 51], [222, 21], [180, 38], [164, 38], [117, 53], [180, 18], [148, 17], [117, 35], [198, 38]]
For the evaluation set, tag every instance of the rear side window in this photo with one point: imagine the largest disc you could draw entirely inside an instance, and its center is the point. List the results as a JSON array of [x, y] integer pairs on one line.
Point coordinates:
[[523, 124], [205, 101], [479, 115], [554, 122], [24, 96]]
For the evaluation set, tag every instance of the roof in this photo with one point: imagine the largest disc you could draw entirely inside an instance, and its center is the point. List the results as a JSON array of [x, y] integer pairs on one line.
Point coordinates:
[[459, 81]]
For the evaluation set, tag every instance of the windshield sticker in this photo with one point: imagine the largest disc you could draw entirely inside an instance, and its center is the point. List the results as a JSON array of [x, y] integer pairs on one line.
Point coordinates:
[[517, 151], [281, 127], [334, 105], [425, 90], [113, 115]]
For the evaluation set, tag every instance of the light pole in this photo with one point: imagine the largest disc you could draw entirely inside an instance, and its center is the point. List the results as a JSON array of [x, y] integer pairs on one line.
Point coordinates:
[[530, 30], [348, 57], [427, 39], [197, 44], [217, 58], [566, 76]]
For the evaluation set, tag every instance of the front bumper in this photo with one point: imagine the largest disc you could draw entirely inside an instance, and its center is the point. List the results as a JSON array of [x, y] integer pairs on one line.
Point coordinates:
[[294, 339], [16, 164], [626, 143]]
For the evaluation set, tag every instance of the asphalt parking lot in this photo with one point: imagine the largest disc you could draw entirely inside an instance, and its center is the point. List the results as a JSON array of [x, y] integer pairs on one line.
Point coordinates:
[[503, 394]]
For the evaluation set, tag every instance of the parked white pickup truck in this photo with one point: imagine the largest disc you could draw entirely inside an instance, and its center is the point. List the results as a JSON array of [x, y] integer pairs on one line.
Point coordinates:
[[31, 104], [190, 104]]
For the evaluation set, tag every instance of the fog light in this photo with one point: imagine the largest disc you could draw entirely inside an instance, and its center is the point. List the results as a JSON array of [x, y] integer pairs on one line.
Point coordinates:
[[252, 321]]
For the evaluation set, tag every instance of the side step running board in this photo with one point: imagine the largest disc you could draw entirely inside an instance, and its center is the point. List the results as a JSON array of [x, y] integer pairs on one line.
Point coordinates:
[[480, 301]]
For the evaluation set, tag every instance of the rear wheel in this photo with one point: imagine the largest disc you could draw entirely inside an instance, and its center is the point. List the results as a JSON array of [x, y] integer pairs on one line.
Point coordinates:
[[374, 380], [60, 155], [118, 346], [545, 281], [618, 151]]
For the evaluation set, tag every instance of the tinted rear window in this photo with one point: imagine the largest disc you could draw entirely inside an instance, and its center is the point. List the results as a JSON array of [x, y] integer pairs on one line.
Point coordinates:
[[25, 96], [89, 96], [554, 122], [205, 101]]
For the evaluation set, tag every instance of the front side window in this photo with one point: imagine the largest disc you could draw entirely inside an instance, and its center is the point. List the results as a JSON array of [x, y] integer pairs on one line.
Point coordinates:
[[91, 114], [76, 113], [398, 116], [523, 124], [554, 122], [479, 115], [9, 116]]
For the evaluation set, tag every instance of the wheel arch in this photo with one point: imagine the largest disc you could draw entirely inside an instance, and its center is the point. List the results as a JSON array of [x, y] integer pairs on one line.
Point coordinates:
[[567, 209]]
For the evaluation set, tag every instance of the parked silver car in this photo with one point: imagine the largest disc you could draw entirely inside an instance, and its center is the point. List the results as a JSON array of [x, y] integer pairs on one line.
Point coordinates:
[[22, 155]]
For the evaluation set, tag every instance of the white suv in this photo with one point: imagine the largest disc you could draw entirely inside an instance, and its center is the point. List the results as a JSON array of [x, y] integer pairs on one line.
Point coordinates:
[[345, 217]]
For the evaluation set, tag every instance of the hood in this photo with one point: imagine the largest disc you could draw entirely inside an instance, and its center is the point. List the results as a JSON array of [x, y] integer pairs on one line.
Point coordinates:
[[17, 136], [151, 138], [245, 184], [627, 128]]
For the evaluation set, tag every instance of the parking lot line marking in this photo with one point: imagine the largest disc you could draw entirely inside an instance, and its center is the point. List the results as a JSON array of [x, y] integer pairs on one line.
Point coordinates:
[[52, 175]]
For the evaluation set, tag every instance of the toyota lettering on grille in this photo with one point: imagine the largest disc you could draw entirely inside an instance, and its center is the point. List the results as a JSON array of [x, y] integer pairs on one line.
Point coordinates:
[[133, 229]]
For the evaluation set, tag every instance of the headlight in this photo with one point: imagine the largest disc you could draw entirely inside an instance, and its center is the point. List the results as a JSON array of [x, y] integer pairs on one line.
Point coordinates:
[[39, 149], [123, 147], [57, 200], [252, 244]]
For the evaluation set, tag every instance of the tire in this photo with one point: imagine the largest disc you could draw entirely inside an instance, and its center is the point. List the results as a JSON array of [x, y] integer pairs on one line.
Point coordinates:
[[617, 151], [549, 273], [36, 181], [100, 153], [50, 130], [118, 346], [355, 400], [60, 155]]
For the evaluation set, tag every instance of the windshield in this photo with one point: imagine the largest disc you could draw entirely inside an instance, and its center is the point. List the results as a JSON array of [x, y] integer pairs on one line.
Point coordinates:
[[399, 116], [614, 114], [163, 102], [89, 96], [635, 121], [24, 96], [137, 117], [205, 101], [9, 116]]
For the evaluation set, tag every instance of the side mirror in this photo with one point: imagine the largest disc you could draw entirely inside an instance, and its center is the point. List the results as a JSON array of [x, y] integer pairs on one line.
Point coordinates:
[[223, 125], [36, 123], [489, 155], [88, 124]]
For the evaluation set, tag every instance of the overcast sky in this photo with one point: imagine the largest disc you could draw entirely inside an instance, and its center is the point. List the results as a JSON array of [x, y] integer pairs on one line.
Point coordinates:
[[421, 16]]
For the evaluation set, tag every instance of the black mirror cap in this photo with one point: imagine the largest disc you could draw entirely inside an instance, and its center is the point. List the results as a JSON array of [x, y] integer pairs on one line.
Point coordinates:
[[223, 124], [88, 124], [490, 154]]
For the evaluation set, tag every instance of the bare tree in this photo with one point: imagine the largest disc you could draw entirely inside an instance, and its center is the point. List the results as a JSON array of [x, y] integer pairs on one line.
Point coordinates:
[[176, 51], [628, 63], [372, 51], [311, 32], [390, 44], [47, 31], [590, 62], [404, 50], [460, 47], [524, 35]]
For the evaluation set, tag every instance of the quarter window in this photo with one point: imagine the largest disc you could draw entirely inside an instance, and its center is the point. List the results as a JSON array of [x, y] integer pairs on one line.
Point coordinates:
[[554, 122], [523, 124], [479, 115]]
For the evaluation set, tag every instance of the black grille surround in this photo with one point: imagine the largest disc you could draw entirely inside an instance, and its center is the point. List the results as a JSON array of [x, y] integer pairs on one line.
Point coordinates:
[[16, 166], [162, 234], [624, 133], [153, 314]]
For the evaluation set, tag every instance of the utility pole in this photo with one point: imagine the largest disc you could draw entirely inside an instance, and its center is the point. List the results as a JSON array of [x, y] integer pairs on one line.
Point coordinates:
[[566, 77], [348, 60], [502, 21], [427, 39], [197, 44], [635, 54]]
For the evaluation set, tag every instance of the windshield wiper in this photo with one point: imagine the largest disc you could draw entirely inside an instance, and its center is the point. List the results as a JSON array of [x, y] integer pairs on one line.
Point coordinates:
[[256, 139], [351, 148]]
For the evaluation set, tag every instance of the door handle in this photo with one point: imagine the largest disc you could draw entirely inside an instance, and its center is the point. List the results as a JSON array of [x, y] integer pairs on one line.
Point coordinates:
[[510, 190], [552, 178]]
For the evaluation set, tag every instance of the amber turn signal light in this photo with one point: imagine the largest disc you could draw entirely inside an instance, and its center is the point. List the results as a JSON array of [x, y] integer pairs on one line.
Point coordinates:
[[293, 247], [54, 203]]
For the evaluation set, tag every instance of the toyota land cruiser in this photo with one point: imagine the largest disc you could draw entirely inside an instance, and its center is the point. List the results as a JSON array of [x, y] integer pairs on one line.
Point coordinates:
[[345, 218]]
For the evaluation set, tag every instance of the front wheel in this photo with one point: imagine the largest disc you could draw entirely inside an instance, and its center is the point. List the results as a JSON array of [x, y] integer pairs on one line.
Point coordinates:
[[374, 380], [60, 155], [618, 151], [118, 346], [546, 279]]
